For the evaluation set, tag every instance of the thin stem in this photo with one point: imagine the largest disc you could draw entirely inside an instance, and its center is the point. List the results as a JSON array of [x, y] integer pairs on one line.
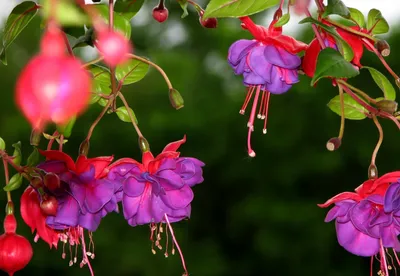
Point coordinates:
[[358, 91], [281, 4], [51, 141], [92, 62], [395, 76], [378, 145], [350, 30], [139, 133], [342, 117], [316, 32], [94, 124], [7, 177], [158, 68], [61, 143], [111, 14], [71, 53], [357, 99], [320, 5]]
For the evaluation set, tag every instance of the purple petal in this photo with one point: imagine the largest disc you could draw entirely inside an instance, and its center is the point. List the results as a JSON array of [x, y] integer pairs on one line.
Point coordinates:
[[167, 164], [98, 193], [355, 241], [392, 198], [53, 166], [170, 180], [277, 86], [389, 237], [90, 221], [290, 76], [121, 170], [130, 206], [259, 64], [362, 214], [67, 212], [281, 58], [190, 169], [239, 50], [177, 199], [87, 176], [241, 67], [133, 187], [251, 78]]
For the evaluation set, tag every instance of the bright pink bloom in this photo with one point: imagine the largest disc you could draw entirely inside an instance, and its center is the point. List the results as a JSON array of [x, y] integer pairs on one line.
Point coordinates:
[[113, 46]]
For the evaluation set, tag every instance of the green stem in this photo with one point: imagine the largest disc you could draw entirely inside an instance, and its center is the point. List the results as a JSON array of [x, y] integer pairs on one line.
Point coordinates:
[[347, 29], [7, 176]]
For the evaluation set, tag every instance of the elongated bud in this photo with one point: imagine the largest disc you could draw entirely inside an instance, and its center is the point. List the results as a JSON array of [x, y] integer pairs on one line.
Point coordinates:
[[144, 145], [333, 144], [383, 47], [84, 148], [160, 13], [176, 99], [52, 181], [372, 172], [10, 208], [387, 106], [35, 137], [10, 224]]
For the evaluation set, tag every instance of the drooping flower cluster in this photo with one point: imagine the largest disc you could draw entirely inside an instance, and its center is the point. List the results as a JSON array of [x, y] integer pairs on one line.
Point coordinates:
[[268, 64], [368, 220]]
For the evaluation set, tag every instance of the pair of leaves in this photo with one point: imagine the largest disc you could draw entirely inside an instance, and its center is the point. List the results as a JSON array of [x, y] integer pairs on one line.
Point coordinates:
[[237, 8]]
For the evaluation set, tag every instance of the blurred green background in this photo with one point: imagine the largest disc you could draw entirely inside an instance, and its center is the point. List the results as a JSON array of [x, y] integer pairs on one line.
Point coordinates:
[[250, 216]]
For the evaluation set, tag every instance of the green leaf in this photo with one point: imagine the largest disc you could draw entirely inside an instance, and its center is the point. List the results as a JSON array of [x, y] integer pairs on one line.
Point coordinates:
[[352, 109], [2, 144], [101, 82], [236, 8], [123, 114], [331, 63], [121, 24], [66, 129], [17, 153], [128, 8], [132, 71], [84, 40], [183, 4], [336, 7], [383, 83], [19, 18], [15, 183], [67, 13], [376, 22], [357, 17], [343, 46], [283, 20], [33, 158]]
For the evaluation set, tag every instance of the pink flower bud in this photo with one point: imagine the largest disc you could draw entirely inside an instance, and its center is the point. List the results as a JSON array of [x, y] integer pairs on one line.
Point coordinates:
[[113, 46], [209, 23], [160, 14], [52, 43], [49, 206], [15, 250], [51, 181]]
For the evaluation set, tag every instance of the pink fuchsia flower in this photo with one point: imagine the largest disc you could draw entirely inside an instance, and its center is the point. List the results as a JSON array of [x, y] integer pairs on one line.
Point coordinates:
[[269, 65], [53, 87], [113, 46], [365, 226], [158, 190]]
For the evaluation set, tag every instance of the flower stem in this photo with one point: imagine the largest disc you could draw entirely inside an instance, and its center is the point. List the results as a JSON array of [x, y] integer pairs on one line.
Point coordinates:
[[7, 177], [158, 68], [342, 118], [281, 4], [320, 5], [94, 124], [316, 32], [358, 91], [70, 52], [395, 76], [51, 141], [350, 30], [111, 14], [92, 62], [139, 133], [380, 140]]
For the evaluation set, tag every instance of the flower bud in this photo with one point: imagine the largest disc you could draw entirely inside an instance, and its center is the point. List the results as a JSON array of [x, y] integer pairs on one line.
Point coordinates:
[[383, 47], [15, 250], [176, 99], [210, 23], [333, 144], [387, 106], [10, 208], [160, 14], [278, 14], [84, 148], [113, 46], [372, 172], [35, 137], [144, 145], [49, 206], [51, 181], [398, 82], [52, 43]]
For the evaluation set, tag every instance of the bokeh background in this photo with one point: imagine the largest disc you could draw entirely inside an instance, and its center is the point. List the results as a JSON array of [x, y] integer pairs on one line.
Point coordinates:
[[250, 216]]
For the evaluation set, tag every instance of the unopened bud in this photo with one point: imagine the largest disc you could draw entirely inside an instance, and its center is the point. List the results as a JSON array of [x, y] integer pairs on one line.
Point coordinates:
[[51, 181], [9, 208], [160, 13], [209, 23], [144, 145], [333, 144], [372, 172], [36, 182], [383, 47], [387, 106], [49, 206], [278, 14], [176, 99], [84, 148], [398, 82], [35, 137], [10, 224]]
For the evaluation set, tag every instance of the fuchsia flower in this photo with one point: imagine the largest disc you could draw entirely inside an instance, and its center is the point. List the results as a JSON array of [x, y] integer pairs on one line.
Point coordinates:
[[268, 64], [368, 221]]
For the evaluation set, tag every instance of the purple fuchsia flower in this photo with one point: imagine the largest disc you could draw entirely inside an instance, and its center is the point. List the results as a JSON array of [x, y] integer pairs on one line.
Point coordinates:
[[84, 196], [268, 64], [368, 221], [158, 190]]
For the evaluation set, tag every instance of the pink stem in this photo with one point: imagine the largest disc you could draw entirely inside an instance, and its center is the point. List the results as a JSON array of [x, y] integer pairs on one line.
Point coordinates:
[[315, 29]]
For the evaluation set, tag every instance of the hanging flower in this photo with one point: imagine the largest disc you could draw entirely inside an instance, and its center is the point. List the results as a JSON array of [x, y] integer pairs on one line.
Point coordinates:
[[268, 64], [367, 221]]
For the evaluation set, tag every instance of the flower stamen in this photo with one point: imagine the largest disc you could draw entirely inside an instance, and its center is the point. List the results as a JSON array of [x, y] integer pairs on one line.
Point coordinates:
[[265, 113], [249, 94]]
